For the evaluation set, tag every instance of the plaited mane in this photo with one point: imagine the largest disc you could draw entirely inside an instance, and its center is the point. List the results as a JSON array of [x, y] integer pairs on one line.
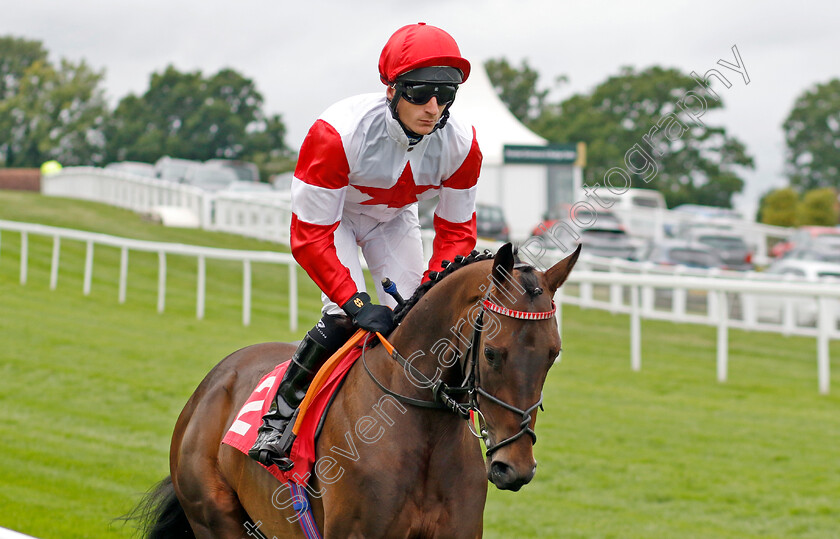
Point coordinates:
[[436, 276]]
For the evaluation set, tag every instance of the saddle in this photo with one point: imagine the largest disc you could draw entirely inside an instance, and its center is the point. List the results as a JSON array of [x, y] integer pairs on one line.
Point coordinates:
[[243, 431]]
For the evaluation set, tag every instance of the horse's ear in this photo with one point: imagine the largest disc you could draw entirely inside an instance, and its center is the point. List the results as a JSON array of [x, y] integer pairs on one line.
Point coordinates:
[[556, 275], [503, 265]]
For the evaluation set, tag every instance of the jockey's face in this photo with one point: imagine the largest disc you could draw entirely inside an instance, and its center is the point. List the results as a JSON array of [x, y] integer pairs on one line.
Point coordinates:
[[420, 119]]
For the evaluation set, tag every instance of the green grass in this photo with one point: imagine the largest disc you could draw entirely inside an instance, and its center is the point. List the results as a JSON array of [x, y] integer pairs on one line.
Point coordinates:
[[90, 390]]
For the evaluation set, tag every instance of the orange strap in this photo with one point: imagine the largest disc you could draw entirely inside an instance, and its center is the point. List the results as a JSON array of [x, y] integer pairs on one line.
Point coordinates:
[[388, 346], [324, 372], [323, 375]]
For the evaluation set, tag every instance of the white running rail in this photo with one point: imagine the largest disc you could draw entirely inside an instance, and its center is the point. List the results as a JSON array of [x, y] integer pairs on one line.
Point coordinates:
[[263, 217], [724, 300], [162, 249]]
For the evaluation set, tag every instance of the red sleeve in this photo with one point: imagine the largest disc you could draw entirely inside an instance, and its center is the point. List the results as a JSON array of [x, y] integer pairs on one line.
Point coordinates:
[[313, 246], [451, 239], [454, 238], [323, 170]]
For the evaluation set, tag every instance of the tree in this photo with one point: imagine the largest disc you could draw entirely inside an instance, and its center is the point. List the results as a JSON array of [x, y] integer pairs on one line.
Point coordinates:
[[654, 120], [778, 207], [517, 88], [818, 207], [267, 148], [16, 55], [192, 116], [48, 112], [812, 134]]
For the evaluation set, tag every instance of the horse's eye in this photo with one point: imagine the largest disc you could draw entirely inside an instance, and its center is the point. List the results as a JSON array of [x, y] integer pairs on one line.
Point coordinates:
[[493, 356]]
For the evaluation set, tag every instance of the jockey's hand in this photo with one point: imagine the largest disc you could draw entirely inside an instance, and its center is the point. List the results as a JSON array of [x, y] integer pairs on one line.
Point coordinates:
[[369, 316]]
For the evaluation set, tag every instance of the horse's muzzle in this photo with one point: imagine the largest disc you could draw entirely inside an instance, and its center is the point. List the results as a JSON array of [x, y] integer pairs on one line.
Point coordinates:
[[505, 477]]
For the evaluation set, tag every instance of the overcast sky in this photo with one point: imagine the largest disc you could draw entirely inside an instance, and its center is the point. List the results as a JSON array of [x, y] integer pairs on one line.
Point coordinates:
[[305, 55]]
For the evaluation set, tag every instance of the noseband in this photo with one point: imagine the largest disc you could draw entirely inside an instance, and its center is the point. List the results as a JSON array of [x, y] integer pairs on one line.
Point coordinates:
[[446, 397]]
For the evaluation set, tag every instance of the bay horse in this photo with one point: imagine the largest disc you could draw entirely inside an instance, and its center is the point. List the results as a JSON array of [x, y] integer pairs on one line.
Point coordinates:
[[396, 457]]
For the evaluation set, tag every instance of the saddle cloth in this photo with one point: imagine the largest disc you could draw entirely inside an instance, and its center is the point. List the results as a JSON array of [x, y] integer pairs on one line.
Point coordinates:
[[243, 431]]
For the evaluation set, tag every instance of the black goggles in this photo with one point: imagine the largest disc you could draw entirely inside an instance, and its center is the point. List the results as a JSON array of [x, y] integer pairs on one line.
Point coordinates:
[[420, 93]]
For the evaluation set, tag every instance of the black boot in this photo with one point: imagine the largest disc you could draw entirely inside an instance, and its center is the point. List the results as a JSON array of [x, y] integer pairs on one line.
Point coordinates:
[[275, 437], [273, 442]]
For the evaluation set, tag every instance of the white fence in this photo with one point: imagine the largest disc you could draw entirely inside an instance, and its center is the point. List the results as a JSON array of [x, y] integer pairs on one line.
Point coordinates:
[[162, 249], [775, 310], [263, 217], [720, 293], [728, 298]]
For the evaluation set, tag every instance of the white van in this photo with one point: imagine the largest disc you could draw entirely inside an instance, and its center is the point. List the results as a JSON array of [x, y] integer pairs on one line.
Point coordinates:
[[641, 210]]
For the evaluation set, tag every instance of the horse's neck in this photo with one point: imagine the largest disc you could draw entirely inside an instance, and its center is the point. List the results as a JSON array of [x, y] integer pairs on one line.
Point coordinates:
[[422, 339], [438, 330]]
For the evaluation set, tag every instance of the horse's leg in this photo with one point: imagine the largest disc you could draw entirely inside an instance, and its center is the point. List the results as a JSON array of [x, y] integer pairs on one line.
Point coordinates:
[[209, 501], [211, 505], [267, 501], [212, 481]]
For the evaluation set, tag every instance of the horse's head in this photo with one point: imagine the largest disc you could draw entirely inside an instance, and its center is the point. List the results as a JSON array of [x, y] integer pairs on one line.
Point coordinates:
[[519, 343]]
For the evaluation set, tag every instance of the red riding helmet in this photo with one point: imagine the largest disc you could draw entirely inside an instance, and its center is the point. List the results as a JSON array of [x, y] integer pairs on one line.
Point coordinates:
[[420, 45]]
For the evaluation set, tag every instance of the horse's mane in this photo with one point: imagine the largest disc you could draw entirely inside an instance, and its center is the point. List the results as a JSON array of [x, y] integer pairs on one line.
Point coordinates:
[[529, 280], [436, 276]]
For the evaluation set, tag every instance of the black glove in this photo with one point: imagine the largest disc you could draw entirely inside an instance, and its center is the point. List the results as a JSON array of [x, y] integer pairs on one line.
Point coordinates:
[[368, 315]]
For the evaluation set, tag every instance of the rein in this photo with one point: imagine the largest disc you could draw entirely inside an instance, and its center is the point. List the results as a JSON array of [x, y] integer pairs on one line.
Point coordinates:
[[445, 397]]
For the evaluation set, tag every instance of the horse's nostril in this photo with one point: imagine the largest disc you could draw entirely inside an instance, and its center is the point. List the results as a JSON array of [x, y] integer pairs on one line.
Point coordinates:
[[500, 470], [505, 477]]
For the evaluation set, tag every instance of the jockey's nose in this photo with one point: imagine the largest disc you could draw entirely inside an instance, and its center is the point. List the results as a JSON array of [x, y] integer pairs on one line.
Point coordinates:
[[432, 105]]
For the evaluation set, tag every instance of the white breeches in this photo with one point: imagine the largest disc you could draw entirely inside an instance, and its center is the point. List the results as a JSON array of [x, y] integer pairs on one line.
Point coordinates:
[[391, 249]]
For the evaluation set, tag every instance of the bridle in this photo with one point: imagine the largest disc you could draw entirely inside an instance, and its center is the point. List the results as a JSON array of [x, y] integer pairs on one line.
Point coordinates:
[[448, 397]]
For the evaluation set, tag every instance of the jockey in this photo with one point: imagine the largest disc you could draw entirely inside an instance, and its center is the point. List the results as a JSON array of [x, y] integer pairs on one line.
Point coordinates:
[[362, 168]]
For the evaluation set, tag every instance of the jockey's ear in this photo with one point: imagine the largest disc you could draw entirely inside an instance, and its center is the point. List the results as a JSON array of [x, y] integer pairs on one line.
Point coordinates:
[[503, 265], [556, 275]]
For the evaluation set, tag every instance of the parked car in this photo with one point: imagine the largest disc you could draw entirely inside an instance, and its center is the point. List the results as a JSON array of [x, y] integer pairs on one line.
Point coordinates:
[[245, 171], [491, 223], [172, 168], [136, 168], [678, 252], [642, 211], [729, 245], [209, 177], [806, 310], [603, 219], [490, 219], [683, 228], [806, 237], [608, 242], [602, 233], [825, 253]]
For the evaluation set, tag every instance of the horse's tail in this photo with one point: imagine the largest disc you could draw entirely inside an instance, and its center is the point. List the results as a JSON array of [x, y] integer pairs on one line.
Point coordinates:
[[160, 514]]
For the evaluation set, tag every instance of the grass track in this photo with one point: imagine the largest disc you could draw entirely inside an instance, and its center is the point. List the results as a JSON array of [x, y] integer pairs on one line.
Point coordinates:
[[90, 389]]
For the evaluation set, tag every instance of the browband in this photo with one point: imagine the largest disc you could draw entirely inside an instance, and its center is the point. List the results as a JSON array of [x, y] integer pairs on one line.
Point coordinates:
[[522, 315]]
